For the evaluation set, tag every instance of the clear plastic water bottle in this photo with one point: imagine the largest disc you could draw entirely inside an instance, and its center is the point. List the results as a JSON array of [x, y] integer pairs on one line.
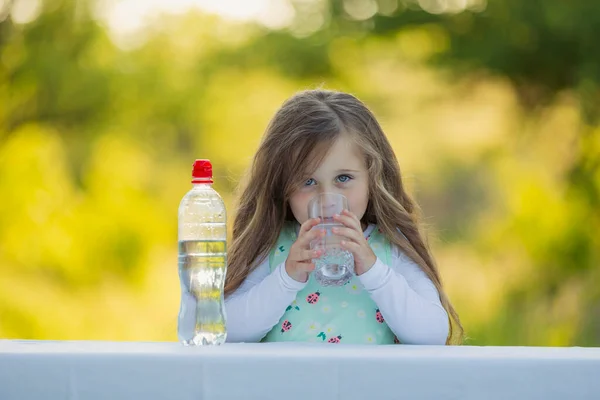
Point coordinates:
[[202, 261]]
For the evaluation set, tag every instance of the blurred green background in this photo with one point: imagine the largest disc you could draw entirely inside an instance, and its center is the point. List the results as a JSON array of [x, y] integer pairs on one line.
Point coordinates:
[[492, 108]]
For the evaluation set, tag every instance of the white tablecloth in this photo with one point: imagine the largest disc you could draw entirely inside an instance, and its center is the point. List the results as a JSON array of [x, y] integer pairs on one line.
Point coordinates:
[[147, 371]]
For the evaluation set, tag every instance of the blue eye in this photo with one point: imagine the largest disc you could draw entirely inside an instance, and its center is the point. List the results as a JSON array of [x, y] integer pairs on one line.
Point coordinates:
[[343, 178], [309, 182]]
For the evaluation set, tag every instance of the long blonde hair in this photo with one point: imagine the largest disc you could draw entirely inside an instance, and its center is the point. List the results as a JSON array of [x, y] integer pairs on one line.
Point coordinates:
[[296, 140]]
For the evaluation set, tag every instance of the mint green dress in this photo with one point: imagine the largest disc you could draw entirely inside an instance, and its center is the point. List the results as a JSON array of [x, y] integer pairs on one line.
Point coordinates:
[[343, 314]]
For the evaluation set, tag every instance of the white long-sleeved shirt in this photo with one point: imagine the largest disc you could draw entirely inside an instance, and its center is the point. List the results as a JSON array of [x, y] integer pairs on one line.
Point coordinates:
[[406, 298]]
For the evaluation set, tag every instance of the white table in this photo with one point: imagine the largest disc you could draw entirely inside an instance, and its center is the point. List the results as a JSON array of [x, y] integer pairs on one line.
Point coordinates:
[[147, 371]]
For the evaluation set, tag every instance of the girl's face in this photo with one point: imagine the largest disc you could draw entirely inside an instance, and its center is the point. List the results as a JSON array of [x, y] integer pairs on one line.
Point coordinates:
[[343, 171]]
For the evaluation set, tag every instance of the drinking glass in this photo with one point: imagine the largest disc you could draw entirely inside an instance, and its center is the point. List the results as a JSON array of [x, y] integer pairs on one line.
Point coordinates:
[[335, 267]]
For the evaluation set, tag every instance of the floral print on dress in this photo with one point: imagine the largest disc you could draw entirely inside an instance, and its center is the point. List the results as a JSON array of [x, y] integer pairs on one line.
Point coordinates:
[[313, 328], [332, 339], [328, 332], [335, 339], [354, 288], [294, 306], [312, 315], [379, 316], [329, 329], [370, 339], [286, 326], [313, 298]]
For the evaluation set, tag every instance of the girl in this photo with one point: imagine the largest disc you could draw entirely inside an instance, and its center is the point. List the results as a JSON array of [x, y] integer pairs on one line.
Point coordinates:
[[326, 141]]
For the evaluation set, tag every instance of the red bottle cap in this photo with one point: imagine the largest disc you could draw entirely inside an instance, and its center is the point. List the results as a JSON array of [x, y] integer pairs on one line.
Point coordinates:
[[202, 172]]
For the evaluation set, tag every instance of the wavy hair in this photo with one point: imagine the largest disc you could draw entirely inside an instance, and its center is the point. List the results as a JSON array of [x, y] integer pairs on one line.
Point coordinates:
[[297, 138]]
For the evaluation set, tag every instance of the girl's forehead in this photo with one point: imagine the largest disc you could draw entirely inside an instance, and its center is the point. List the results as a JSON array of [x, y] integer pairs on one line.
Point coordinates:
[[344, 154]]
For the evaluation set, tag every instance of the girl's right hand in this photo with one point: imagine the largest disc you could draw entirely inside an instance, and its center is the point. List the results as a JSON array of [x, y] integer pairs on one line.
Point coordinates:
[[299, 262]]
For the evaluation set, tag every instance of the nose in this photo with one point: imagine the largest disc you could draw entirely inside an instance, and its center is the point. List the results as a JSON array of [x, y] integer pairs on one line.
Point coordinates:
[[332, 202], [327, 197], [331, 189]]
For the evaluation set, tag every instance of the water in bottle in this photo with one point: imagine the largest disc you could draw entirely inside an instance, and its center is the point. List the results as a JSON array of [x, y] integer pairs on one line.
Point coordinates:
[[202, 234]]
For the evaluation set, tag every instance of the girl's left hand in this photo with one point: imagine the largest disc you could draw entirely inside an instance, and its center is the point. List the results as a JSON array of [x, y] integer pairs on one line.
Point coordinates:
[[364, 258]]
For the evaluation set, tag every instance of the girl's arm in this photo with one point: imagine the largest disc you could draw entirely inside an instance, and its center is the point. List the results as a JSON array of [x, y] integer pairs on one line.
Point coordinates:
[[408, 300], [258, 304]]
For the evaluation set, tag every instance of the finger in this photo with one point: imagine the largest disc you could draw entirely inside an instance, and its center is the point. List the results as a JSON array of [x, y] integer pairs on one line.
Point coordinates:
[[304, 240], [351, 234], [308, 255], [307, 266], [350, 221], [352, 247], [350, 214], [308, 225]]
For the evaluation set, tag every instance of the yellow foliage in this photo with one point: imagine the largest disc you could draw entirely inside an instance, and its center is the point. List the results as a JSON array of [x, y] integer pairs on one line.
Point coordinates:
[[88, 222]]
